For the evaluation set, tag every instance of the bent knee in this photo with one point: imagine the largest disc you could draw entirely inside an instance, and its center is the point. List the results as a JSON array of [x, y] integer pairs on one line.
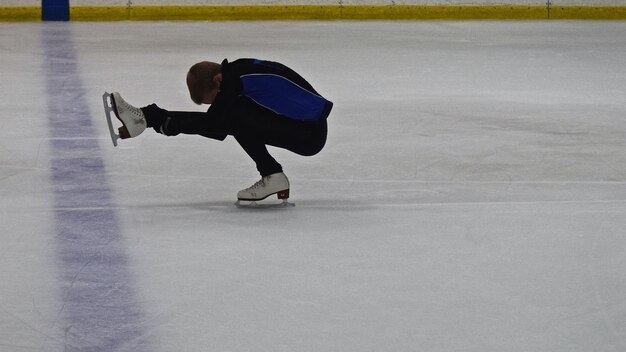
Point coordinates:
[[312, 149]]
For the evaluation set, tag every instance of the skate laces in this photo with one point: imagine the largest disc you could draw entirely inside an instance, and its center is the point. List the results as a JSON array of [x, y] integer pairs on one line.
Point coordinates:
[[136, 112], [260, 183]]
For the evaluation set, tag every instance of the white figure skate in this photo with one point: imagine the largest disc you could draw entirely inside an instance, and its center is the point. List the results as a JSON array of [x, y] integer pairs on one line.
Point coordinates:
[[132, 118], [273, 184]]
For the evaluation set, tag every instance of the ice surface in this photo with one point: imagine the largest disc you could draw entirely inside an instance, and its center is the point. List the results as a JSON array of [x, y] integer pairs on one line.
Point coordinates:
[[471, 196]]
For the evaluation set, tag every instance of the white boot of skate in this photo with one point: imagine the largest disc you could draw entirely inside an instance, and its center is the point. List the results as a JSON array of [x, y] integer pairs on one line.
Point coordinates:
[[273, 184], [131, 117]]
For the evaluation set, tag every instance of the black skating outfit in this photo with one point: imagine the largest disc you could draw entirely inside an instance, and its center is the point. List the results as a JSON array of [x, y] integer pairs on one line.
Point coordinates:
[[259, 103]]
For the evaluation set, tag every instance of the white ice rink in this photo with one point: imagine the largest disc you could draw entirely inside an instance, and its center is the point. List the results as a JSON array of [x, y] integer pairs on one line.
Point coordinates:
[[471, 195]]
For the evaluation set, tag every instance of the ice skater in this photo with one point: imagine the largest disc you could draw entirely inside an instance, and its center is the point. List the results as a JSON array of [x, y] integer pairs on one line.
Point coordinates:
[[258, 102]]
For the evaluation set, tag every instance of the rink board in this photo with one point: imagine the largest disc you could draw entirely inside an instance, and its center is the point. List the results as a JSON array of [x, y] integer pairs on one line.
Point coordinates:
[[323, 12]]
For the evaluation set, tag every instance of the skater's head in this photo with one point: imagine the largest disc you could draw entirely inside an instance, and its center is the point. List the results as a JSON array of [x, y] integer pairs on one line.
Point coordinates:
[[203, 81]]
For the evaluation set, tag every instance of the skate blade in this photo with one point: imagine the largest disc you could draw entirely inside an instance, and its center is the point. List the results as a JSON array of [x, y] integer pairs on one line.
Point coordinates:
[[107, 101], [255, 204]]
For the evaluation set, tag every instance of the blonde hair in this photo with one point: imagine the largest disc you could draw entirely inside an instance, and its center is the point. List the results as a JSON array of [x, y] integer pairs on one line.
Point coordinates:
[[200, 79]]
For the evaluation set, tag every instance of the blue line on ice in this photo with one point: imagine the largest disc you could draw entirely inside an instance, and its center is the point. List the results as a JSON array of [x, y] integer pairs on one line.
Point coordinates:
[[100, 310]]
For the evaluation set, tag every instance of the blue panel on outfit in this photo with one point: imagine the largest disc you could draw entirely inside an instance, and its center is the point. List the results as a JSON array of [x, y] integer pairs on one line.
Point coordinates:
[[283, 96]]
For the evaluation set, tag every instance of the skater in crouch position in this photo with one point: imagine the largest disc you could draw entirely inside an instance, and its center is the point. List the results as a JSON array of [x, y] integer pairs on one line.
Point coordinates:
[[257, 102]]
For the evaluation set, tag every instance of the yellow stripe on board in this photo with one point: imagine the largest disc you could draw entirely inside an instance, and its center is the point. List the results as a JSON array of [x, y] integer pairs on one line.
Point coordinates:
[[588, 12], [464, 12], [20, 13], [350, 12], [308, 12], [323, 12]]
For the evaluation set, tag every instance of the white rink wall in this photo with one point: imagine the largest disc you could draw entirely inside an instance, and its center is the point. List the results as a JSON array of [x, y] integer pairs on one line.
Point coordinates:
[[307, 2], [20, 2], [322, 2], [349, 2]]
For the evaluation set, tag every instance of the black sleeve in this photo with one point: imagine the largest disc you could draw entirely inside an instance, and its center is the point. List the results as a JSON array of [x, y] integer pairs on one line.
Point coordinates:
[[208, 124], [198, 123]]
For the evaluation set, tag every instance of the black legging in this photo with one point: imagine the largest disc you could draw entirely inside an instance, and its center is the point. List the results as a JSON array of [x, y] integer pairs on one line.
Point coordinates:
[[252, 126]]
